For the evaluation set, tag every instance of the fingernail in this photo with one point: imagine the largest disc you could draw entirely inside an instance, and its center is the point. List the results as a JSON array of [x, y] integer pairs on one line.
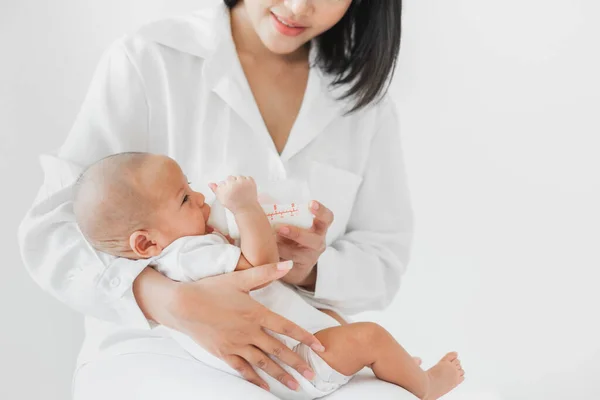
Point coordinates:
[[266, 387], [315, 205], [284, 266], [308, 374], [318, 347], [293, 385], [284, 231]]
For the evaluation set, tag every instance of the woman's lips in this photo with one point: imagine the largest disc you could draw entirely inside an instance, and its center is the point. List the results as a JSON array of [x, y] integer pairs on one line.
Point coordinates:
[[285, 26]]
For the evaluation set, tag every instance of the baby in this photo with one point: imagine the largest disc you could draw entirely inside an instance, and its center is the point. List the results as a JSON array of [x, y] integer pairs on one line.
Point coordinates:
[[140, 206]]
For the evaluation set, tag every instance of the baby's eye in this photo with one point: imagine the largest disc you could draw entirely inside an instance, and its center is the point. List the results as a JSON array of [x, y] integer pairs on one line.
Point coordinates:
[[185, 198]]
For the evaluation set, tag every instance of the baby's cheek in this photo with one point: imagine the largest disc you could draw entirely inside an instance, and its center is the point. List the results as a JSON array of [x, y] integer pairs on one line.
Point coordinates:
[[198, 223], [185, 225]]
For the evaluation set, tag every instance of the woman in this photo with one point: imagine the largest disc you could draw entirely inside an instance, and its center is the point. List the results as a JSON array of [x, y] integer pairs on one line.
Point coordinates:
[[269, 88]]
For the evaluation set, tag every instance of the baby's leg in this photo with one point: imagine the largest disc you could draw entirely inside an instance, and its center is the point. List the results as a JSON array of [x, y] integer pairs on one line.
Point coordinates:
[[351, 347], [339, 319]]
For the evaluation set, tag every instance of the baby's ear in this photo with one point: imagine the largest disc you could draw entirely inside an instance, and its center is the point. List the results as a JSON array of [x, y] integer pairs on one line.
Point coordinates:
[[142, 244]]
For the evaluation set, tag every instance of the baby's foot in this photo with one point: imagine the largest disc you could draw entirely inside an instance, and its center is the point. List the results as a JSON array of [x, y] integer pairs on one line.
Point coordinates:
[[444, 376]]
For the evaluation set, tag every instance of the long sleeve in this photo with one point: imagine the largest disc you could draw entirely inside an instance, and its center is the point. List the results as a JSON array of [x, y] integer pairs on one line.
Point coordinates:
[[113, 118], [191, 258], [362, 269]]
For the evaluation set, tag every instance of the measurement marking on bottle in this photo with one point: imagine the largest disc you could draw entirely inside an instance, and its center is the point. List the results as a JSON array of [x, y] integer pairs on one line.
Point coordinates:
[[282, 212]]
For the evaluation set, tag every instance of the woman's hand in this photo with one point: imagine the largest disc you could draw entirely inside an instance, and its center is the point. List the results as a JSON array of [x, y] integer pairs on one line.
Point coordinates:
[[218, 314], [304, 247]]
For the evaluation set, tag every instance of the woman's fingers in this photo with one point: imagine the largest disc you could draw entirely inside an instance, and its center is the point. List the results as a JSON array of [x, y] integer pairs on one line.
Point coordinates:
[[254, 277], [274, 347], [303, 237], [245, 370], [302, 257], [279, 324], [288, 252], [323, 217], [260, 360]]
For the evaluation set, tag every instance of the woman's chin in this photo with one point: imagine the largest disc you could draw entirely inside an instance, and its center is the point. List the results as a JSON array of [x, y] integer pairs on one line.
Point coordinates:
[[281, 45]]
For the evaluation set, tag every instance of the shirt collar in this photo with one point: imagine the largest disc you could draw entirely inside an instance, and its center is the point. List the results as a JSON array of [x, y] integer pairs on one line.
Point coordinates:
[[206, 33]]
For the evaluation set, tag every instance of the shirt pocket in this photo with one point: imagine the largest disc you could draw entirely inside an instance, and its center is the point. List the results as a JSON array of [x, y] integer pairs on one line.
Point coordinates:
[[336, 189]]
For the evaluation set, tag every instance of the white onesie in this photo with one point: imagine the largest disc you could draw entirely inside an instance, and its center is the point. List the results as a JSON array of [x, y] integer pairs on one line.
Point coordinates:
[[195, 257]]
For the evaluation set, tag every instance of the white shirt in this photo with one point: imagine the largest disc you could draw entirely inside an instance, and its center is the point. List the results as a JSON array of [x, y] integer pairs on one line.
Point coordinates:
[[176, 87]]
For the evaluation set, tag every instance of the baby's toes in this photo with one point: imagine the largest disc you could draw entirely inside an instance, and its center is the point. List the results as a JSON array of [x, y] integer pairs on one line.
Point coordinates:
[[460, 372], [450, 356], [457, 365]]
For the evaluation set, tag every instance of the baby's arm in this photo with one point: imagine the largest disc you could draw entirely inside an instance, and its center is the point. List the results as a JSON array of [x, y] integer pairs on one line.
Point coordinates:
[[256, 235], [258, 243]]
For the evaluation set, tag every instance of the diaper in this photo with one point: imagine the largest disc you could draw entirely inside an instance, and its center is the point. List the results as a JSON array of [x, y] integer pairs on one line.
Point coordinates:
[[327, 379], [283, 300]]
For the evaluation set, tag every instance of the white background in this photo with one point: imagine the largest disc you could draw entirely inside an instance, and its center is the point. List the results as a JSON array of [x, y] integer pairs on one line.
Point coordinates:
[[499, 103]]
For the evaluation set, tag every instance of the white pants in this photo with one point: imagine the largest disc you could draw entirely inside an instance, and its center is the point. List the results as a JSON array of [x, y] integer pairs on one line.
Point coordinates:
[[158, 377]]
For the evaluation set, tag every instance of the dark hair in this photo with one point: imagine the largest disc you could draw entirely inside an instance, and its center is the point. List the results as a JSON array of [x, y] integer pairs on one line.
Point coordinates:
[[361, 50]]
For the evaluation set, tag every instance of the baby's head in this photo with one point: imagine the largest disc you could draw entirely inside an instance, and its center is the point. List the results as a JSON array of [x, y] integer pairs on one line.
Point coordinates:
[[135, 204]]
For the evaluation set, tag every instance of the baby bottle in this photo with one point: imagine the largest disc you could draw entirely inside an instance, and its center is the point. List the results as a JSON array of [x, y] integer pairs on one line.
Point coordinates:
[[284, 202]]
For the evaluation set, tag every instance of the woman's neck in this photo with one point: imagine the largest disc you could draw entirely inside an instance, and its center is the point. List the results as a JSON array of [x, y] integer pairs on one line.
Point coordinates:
[[248, 43]]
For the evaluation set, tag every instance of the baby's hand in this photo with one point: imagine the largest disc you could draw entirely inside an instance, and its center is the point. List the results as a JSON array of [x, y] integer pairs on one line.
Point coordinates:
[[236, 193]]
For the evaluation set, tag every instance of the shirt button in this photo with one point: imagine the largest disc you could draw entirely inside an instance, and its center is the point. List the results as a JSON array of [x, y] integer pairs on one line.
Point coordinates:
[[114, 282]]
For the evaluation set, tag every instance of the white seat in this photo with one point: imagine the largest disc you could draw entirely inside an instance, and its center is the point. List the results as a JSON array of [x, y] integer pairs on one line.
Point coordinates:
[[158, 377]]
